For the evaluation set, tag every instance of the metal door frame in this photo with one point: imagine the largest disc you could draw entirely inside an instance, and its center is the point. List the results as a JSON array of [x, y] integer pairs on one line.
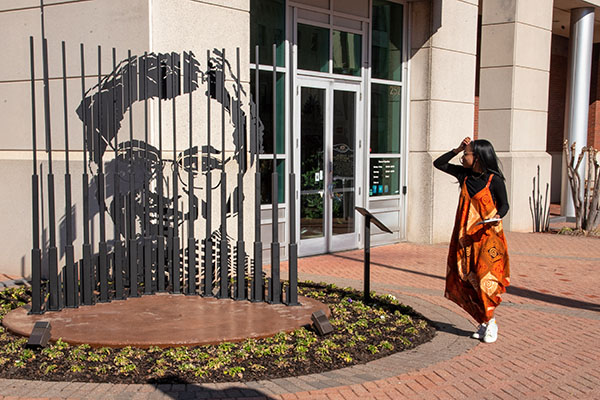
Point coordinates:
[[329, 242]]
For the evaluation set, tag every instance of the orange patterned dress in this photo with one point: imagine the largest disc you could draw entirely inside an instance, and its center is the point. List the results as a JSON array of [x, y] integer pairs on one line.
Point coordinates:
[[478, 269]]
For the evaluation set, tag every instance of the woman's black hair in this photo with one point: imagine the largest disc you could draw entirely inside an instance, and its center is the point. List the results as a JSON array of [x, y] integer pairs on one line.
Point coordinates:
[[488, 160]]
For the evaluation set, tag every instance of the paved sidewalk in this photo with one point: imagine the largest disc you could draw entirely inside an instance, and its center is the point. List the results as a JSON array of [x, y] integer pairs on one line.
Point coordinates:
[[549, 343]]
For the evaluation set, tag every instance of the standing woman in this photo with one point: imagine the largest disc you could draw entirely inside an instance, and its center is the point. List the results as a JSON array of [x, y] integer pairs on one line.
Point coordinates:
[[478, 269]]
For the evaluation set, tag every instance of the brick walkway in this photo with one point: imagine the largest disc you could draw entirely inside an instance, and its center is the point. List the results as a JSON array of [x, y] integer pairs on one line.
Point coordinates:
[[549, 343]]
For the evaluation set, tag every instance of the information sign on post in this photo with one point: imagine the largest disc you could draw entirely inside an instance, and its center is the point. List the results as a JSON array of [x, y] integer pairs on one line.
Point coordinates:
[[369, 218]]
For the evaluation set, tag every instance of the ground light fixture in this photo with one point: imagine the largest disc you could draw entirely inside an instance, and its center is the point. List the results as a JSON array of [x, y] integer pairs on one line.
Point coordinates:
[[39, 335]]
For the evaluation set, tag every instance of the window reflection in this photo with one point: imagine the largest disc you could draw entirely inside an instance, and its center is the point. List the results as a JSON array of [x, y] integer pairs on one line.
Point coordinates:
[[267, 26], [266, 181], [387, 40], [347, 53], [385, 118], [313, 48]]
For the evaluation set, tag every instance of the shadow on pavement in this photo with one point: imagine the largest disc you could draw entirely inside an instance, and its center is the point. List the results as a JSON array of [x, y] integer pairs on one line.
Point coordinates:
[[550, 298], [177, 388], [513, 290], [410, 271], [450, 328]]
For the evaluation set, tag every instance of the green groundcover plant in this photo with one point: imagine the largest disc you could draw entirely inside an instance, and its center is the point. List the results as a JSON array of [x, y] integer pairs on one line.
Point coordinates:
[[362, 332]]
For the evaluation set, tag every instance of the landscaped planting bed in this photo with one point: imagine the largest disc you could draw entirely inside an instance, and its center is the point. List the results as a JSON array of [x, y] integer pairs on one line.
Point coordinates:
[[362, 332]]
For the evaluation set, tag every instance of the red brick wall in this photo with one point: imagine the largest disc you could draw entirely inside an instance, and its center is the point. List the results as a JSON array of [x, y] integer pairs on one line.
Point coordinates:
[[476, 124], [594, 115], [557, 94], [556, 102]]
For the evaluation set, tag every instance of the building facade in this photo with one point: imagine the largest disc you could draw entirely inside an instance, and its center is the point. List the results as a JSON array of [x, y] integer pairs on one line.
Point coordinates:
[[362, 96]]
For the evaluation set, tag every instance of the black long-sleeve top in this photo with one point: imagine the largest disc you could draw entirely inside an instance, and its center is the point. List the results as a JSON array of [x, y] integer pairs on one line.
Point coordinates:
[[475, 182]]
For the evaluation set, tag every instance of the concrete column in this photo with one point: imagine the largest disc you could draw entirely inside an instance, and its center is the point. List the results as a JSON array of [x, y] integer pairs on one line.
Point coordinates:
[[443, 51], [513, 95], [578, 93]]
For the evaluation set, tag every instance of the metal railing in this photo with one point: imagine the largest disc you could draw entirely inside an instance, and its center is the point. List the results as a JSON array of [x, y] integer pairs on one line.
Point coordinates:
[[154, 247]]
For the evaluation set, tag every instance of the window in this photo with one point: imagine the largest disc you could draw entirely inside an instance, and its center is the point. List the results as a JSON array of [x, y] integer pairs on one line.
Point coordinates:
[[265, 101], [386, 99], [267, 27], [385, 118], [387, 40], [313, 48], [347, 51]]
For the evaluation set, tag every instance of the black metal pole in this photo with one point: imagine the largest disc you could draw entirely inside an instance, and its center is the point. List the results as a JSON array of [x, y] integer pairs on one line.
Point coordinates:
[[241, 251], [275, 287], [133, 245], [69, 254], [160, 239], [176, 262], [208, 244], [118, 243], [292, 294], [367, 267], [36, 253], [224, 253], [86, 265], [146, 198], [52, 251], [191, 209], [103, 261], [257, 279]]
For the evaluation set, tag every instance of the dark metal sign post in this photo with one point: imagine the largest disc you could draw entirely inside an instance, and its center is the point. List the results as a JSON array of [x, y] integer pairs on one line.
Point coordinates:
[[369, 218]]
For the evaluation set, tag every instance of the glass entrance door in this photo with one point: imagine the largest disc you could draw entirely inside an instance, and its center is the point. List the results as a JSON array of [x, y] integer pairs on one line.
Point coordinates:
[[328, 165]]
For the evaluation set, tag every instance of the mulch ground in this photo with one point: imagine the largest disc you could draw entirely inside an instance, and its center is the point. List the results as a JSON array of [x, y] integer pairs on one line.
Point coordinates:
[[362, 332]]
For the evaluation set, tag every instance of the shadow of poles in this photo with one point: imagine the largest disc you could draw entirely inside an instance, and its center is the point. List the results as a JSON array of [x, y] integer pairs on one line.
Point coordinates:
[[552, 299], [177, 388], [512, 290], [392, 267]]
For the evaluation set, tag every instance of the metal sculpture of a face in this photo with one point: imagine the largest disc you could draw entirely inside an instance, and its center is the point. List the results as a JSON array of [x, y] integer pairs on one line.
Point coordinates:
[[138, 163]]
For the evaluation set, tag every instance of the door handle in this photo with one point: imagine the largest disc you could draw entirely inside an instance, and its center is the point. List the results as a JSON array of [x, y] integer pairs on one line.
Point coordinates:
[[330, 190], [330, 183]]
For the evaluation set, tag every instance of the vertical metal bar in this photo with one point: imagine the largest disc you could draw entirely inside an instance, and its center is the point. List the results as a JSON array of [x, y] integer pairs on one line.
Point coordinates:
[[133, 245], [69, 254], [118, 243], [292, 293], [176, 262], [62, 288], [367, 266], [208, 244], [36, 253], [86, 265], [191, 209], [102, 248], [160, 239], [257, 280], [224, 253], [241, 251], [77, 282], [52, 252], [275, 257], [146, 198]]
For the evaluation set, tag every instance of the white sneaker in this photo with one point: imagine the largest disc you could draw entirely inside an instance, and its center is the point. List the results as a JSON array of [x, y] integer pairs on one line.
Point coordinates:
[[480, 332], [491, 333]]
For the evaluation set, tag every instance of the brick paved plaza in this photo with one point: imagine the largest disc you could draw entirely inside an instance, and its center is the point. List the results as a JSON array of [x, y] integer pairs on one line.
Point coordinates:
[[548, 346]]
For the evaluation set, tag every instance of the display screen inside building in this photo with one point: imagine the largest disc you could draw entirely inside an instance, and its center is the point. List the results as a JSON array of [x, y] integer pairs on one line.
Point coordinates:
[[384, 177]]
